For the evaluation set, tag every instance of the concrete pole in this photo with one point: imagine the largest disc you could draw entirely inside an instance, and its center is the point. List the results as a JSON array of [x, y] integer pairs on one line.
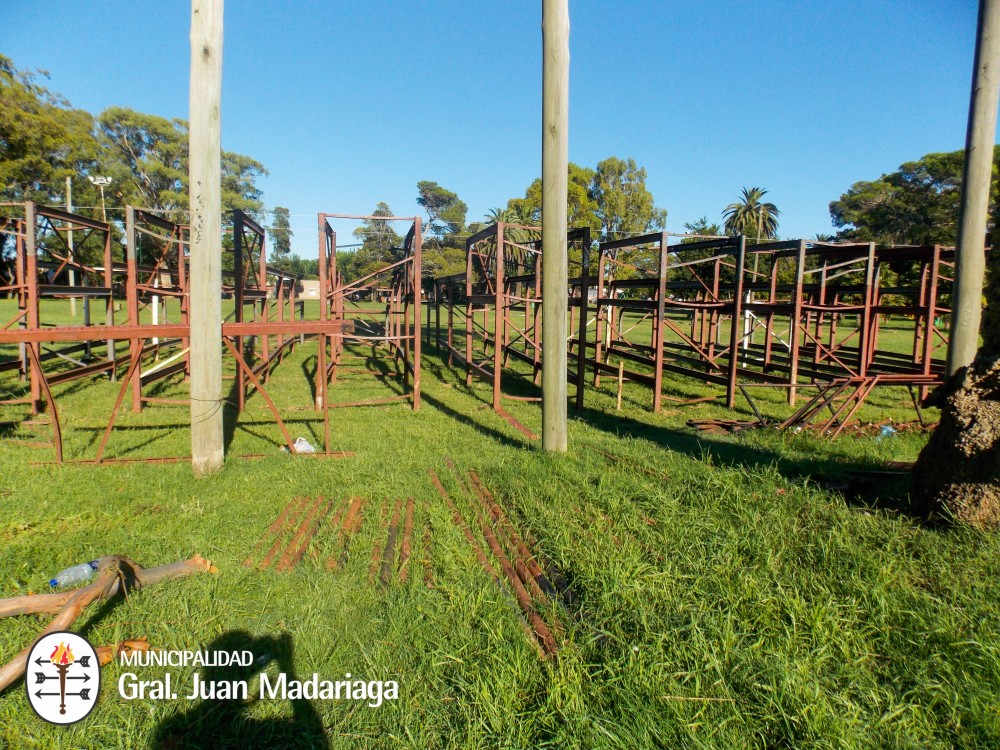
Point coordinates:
[[979, 140], [206, 237], [555, 273]]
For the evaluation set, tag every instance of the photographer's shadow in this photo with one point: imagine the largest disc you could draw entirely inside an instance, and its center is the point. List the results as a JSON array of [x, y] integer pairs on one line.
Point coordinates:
[[224, 723]]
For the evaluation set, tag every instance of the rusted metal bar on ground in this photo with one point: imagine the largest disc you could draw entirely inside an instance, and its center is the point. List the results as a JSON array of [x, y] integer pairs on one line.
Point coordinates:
[[404, 550], [525, 563], [524, 599], [279, 539], [720, 426], [376, 558], [351, 526], [115, 573], [517, 557], [541, 631], [389, 554], [269, 532], [309, 535], [300, 534], [481, 557]]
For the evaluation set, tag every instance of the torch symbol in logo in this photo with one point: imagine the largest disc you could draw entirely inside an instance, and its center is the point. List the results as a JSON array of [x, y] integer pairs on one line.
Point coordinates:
[[72, 670], [62, 659]]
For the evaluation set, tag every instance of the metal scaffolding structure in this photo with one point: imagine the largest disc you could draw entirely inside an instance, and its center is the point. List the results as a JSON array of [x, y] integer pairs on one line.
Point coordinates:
[[500, 308], [152, 266], [390, 332], [794, 315]]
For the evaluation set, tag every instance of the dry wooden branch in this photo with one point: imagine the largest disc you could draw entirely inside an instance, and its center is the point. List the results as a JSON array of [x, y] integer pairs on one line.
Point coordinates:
[[51, 604], [115, 573], [107, 654]]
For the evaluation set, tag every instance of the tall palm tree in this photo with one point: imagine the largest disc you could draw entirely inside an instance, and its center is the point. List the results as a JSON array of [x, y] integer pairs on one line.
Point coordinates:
[[750, 217], [496, 215]]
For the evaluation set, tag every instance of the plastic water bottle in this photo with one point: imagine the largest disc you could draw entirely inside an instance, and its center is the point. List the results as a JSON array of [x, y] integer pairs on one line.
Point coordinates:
[[886, 432], [76, 574]]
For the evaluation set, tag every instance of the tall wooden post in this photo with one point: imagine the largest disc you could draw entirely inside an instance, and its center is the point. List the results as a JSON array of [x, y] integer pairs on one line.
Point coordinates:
[[555, 157], [979, 138], [72, 254], [206, 237]]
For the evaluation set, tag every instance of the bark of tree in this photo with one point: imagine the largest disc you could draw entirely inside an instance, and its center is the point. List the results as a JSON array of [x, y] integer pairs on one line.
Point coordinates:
[[958, 472]]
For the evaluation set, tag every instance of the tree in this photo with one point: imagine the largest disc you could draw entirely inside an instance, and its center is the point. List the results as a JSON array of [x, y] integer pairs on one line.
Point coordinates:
[[495, 216], [147, 156], [43, 140], [623, 204], [915, 205], [751, 217], [281, 234], [581, 208], [378, 238], [701, 226], [445, 212], [239, 185], [380, 246]]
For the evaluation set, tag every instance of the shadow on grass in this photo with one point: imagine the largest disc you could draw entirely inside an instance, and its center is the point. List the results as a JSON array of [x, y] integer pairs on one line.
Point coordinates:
[[862, 484], [223, 722], [467, 420]]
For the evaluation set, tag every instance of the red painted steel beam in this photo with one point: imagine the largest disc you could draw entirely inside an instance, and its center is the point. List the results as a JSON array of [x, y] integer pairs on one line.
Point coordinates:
[[172, 330]]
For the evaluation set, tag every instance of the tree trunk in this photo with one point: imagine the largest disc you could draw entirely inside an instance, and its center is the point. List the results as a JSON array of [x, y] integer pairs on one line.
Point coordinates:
[[958, 471]]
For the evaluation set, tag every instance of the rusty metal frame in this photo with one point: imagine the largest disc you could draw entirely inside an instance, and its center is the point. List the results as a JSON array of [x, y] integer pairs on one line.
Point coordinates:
[[793, 315], [498, 302], [395, 332], [161, 270]]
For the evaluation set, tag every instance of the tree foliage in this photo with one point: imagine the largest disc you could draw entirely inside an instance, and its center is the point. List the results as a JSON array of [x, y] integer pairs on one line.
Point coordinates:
[[915, 205], [703, 227], [751, 216], [623, 204], [445, 211], [43, 140], [280, 233], [380, 246], [612, 200], [147, 157]]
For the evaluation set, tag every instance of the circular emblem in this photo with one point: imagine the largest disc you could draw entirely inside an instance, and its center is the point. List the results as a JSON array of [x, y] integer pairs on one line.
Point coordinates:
[[63, 677]]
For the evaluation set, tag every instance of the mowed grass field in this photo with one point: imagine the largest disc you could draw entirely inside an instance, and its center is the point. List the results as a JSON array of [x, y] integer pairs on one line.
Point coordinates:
[[760, 590]]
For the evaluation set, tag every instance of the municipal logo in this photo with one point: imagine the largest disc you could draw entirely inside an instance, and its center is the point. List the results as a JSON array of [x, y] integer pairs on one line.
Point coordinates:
[[63, 677]]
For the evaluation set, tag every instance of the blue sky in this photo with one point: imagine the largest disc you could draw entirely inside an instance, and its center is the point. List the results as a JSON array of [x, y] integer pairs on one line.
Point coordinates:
[[349, 103]]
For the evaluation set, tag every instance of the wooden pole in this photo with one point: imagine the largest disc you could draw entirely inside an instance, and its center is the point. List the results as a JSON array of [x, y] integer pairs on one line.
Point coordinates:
[[970, 258], [555, 157], [206, 237], [72, 272]]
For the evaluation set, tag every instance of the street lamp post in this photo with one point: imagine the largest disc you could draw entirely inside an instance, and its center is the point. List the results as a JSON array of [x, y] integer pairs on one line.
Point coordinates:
[[101, 182]]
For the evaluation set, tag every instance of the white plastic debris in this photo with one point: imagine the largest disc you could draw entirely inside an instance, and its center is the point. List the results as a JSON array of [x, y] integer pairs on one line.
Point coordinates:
[[303, 446]]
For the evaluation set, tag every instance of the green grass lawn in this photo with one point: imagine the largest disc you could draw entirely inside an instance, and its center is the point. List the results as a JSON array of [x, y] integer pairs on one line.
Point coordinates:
[[756, 590]]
